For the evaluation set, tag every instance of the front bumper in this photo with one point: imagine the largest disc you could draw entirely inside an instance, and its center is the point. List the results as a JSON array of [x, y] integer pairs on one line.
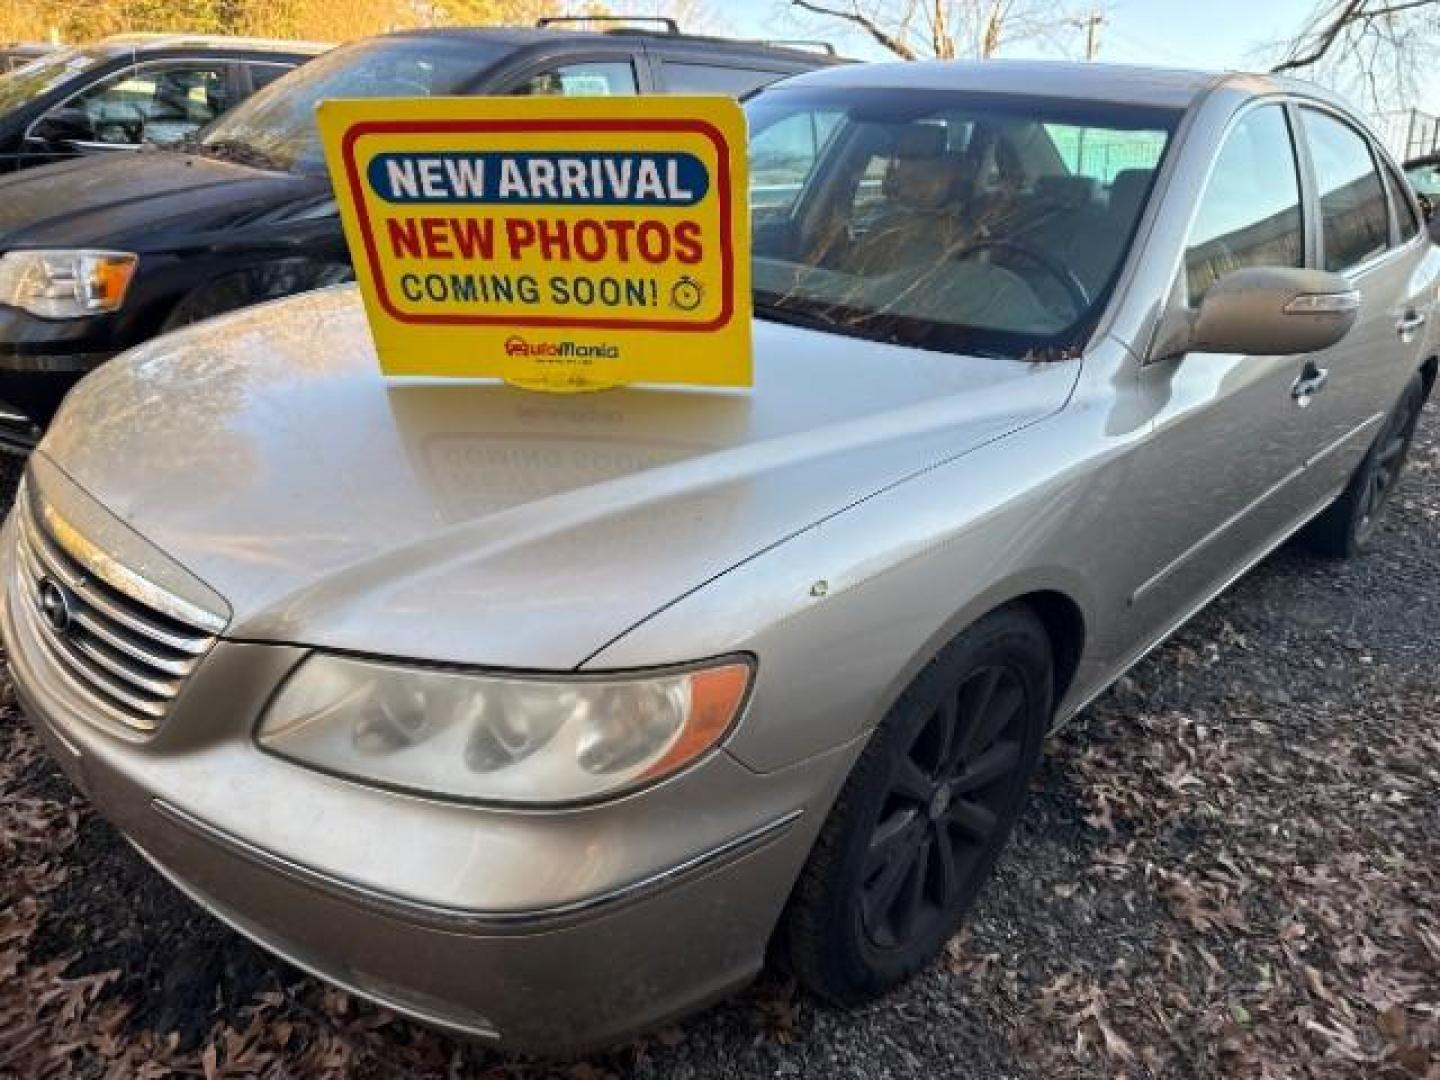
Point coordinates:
[[546, 932]]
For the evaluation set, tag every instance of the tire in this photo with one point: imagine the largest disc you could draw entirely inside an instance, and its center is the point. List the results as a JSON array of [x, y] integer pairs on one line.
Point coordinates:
[[1347, 526], [878, 899]]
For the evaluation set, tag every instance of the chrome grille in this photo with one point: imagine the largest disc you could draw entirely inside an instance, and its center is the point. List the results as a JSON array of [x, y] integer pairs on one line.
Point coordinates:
[[120, 642]]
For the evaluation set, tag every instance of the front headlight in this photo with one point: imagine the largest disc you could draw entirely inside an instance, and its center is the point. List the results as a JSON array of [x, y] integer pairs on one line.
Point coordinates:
[[500, 738], [65, 284]]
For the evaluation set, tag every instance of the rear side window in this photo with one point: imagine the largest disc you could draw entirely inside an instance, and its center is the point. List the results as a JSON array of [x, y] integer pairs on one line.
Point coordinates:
[[683, 78], [1404, 209], [1249, 214], [1354, 220], [607, 78]]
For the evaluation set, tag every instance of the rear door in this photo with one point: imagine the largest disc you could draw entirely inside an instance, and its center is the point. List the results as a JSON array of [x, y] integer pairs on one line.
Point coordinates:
[[1369, 230], [701, 73]]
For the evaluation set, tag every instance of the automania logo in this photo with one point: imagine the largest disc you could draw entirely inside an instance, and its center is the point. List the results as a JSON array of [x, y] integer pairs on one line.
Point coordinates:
[[559, 350]]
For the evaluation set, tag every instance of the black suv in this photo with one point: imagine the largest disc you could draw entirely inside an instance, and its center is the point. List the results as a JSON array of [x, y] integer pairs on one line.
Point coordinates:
[[123, 92], [101, 255]]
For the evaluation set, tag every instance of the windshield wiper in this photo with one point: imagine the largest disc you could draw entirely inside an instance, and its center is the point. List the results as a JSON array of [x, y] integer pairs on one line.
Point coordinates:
[[812, 317], [233, 150]]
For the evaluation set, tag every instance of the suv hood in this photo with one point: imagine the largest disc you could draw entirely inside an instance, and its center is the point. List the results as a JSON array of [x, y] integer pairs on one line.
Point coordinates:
[[482, 524], [135, 200]]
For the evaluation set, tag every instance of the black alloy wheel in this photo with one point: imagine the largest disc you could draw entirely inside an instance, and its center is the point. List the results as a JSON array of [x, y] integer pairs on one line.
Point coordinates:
[[1348, 525], [924, 813], [1391, 450], [948, 792]]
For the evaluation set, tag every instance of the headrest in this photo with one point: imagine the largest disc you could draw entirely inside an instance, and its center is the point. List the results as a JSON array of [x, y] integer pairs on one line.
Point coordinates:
[[1066, 190], [920, 141], [921, 175], [1127, 191]]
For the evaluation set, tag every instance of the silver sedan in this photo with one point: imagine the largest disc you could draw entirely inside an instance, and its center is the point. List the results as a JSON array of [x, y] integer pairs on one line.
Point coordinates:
[[543, 717]]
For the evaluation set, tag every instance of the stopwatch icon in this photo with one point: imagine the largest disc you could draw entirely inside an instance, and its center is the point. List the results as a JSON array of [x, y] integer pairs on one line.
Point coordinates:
[[686, 294]]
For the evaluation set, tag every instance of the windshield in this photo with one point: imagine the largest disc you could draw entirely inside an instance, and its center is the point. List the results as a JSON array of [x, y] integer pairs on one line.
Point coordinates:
[[276, 128], [946, 220], [39, 77]]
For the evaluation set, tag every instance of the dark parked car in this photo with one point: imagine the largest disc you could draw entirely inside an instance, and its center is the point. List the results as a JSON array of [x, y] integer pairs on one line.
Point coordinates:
[[16, 54], [123, 92], [101, 255]]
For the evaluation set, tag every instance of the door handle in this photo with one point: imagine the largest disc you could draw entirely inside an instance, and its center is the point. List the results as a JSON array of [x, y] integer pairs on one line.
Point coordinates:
[[1311, 381], [1410, 322]]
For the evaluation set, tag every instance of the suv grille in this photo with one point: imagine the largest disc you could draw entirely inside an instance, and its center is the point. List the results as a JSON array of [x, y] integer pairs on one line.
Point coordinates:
[[102, 625]]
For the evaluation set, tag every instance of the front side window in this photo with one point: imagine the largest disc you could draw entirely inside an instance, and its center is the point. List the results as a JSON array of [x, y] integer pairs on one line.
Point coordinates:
[[1249, 214], [155, 103], [603, 79], [947, 220], [1354, 219]]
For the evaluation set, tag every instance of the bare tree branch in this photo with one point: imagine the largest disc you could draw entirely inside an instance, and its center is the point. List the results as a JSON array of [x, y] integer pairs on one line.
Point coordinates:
[[944, 29], [1320, 36], [887, 41], [1384, 50]]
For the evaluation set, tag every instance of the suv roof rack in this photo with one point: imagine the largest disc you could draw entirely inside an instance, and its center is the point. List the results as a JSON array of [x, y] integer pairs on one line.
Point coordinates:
[[803, 44], [670, 25]]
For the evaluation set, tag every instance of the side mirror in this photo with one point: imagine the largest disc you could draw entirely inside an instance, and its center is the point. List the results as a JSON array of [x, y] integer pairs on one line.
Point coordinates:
[[63, 126], [1266, 311]]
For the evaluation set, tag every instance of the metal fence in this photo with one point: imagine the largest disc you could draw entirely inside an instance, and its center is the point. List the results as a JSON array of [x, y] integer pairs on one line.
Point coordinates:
[[1409, 133]]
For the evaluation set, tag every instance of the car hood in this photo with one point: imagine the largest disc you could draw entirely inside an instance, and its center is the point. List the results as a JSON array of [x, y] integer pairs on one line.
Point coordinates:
[[480, 523], [136, 201]]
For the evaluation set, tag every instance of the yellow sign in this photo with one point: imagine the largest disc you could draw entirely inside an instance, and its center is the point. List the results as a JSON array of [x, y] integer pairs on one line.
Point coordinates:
[[556, 243]]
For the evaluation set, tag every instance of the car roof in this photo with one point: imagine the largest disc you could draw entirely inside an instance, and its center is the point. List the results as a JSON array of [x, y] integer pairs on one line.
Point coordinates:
[[523, 36], [141, 43], [1088, 81]]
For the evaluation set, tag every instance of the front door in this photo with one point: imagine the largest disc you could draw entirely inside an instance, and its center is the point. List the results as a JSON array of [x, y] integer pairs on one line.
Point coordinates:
[[1215, 484]]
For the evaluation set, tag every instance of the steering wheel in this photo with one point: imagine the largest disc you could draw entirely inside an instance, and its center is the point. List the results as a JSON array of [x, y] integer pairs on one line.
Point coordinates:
[[1075, 290]]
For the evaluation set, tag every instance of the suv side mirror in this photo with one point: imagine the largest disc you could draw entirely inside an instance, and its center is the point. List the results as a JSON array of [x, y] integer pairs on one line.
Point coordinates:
[[1266, 311], [63, 126]]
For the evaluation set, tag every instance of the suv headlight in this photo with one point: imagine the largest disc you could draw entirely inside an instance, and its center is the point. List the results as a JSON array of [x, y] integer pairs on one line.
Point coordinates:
[[500, 738], [66, 284]]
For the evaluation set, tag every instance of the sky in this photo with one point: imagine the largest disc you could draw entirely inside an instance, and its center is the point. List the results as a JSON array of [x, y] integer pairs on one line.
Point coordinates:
[[1177, 33]]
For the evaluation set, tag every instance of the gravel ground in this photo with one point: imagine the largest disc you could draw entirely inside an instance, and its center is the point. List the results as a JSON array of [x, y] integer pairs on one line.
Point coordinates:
[[1230, 866]]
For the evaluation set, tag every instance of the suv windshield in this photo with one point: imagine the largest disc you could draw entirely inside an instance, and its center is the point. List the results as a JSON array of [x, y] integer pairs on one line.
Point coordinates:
[[39, 77], [946, 220], [276, 127]]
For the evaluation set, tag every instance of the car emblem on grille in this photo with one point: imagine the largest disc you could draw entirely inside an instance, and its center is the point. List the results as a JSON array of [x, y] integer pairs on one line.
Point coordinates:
[[55, 605]]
